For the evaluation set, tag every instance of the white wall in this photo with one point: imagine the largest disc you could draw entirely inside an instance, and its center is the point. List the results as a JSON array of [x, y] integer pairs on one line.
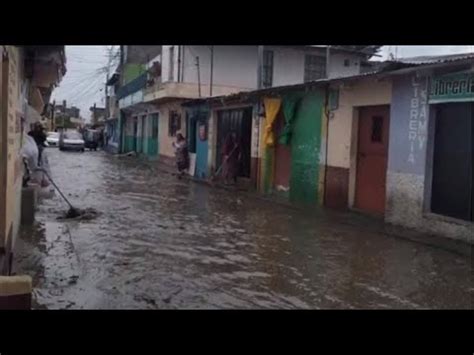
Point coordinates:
[[233, 65], [237, 65], [165, 64], [337, 67], [288, 66]]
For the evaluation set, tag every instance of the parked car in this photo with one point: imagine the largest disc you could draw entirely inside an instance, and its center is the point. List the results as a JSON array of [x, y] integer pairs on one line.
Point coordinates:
[[52, 139], [71, 140], [91, 138]]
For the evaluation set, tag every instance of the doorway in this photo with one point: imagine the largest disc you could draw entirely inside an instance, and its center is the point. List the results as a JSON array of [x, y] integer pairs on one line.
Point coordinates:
[[372, 153], [452, 184], [240, 122], [135, 134]]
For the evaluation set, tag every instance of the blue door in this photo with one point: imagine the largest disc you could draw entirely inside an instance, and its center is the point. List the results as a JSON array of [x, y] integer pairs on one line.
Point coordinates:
[[201, 149]]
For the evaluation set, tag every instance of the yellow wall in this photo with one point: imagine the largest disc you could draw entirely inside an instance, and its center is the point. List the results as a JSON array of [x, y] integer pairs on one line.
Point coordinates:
[[11, 134], [363, 93], [165, 141]]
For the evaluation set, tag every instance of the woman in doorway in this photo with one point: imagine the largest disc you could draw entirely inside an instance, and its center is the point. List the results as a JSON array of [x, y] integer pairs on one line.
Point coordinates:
[[231, 158], [182, 155]]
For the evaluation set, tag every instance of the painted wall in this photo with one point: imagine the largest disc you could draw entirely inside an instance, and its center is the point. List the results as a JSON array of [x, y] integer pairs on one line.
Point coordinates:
[[233, 65], [236, 66], [410, 160], [338, 67], [132, 71], [13, 108], [339, 184], [165, 141], [366, 92]]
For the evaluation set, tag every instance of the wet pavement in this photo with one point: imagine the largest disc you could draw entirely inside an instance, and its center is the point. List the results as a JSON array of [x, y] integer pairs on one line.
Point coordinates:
[[160, 242]]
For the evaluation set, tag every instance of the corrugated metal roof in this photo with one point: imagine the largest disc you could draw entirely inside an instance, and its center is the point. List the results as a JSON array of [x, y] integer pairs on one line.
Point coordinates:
[[436, 59]]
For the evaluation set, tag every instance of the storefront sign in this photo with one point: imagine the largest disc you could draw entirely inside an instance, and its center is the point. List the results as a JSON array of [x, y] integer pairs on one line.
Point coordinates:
[[457, 87]]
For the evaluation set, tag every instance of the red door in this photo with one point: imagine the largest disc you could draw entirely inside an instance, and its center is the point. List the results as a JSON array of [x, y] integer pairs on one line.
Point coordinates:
[[372, 155], [282, 158]]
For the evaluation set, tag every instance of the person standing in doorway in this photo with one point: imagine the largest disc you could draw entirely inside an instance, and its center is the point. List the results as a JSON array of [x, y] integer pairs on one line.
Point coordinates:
[[231, 158], [182, 154]]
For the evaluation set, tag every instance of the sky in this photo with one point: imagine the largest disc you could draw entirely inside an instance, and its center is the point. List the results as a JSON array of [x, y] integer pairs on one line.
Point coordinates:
[[84, 83]]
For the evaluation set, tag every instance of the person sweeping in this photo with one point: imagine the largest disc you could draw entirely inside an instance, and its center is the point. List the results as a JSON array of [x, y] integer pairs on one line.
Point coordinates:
[[231, 158]]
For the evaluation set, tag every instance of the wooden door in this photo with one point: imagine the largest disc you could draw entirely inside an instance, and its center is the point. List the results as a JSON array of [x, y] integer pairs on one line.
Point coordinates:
[[372, 156]]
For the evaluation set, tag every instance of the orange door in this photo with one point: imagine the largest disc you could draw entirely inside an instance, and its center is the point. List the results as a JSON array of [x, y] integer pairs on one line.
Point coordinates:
[[372, 155]]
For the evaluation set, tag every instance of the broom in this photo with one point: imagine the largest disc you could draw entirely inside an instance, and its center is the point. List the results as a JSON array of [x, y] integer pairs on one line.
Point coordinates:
[[72, 212], [214, 176]]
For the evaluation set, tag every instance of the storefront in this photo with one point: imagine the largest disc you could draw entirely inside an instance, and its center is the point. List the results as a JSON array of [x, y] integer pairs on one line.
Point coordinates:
[[451, 98], [430, 174]]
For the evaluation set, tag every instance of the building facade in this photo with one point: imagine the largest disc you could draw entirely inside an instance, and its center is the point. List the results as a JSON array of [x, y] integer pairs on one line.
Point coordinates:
[[28, 76], [151, 101]]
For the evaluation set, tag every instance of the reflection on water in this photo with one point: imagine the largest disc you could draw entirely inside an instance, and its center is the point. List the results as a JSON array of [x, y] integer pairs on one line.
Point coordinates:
[[160, 242]]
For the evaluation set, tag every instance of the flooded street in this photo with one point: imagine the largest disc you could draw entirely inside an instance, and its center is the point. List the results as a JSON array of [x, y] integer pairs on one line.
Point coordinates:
[[160, 242]]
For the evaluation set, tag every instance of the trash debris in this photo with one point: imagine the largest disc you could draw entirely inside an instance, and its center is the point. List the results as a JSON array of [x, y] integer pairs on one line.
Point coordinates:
[[80, 214]]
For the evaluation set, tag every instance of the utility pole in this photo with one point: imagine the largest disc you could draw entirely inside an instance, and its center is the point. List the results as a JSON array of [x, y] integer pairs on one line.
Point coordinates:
[[53, 123], [212, 71], [328, 60], [260, 67], [199, 75], [109, 63]]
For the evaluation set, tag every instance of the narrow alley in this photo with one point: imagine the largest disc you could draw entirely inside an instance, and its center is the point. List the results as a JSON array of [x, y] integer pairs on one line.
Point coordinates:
[[160, 242]]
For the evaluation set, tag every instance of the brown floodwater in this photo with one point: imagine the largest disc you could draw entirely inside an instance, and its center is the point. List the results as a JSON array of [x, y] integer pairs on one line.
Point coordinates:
[[160, 242]]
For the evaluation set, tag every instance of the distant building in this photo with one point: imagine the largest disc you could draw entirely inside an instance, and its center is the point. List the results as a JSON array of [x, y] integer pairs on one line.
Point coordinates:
[[64, 117], [97, 115]]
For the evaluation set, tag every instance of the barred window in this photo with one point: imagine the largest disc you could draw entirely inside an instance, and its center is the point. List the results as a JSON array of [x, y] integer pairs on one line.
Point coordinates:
[[267, 80], [314, 67]]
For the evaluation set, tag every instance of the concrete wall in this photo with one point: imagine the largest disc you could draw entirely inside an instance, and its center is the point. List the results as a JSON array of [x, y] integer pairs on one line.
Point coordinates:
[[13, 110], [342, 137], [233, 66], [165, 141], [410, 161], [236, 66], [338, 68]]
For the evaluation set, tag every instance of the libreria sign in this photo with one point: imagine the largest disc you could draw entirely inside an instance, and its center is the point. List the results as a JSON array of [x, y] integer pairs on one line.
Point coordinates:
[[452, 87]]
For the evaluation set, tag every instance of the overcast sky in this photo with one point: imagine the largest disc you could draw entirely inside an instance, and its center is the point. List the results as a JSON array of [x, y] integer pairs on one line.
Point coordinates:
[[83, 85]]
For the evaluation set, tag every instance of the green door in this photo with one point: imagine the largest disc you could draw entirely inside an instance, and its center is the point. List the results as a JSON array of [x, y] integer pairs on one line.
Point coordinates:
[[153, 138], [305, 149]]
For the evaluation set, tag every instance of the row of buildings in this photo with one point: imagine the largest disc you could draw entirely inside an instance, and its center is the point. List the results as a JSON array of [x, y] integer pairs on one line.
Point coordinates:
[[28, 76], [318, 125]]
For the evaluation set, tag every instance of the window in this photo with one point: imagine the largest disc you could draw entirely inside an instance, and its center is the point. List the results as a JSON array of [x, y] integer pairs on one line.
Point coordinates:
[[174, 123], [267, 70], [377, 127], [171, 64], [347, 63], [314, 67]]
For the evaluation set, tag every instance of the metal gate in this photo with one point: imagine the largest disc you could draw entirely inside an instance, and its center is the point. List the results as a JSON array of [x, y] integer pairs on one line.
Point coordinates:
[[240, 122]]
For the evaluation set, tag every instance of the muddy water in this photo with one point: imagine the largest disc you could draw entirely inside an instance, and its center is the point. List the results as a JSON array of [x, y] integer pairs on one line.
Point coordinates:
[[161, 242]]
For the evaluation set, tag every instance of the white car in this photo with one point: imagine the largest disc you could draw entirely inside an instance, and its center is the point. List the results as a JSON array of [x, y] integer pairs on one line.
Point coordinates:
[[53, 139], [71, 140]]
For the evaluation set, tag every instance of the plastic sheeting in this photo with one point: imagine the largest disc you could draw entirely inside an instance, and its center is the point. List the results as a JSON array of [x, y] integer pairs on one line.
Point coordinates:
[[290, 107], [272, 107]]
